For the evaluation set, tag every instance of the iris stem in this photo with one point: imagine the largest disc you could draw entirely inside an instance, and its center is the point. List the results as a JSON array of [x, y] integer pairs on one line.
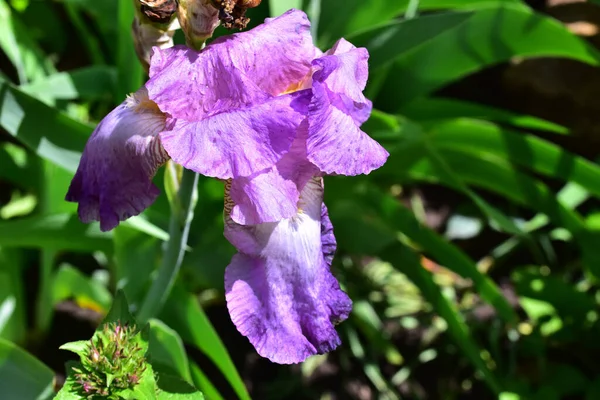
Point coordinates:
[[179, 228]]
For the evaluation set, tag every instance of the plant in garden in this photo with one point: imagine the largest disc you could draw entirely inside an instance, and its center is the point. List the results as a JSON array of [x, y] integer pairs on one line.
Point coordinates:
[[112, 361], [116, 363], [488, 284], [269, 126]]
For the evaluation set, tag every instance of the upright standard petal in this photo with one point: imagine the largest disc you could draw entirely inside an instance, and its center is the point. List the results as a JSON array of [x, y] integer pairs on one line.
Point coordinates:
[[279, 289], [273, 56], [114, 178], [335, 143], [193, 85]]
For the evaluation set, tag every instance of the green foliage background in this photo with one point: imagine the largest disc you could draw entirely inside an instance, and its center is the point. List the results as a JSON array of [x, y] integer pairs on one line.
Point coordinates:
[[501, 301]]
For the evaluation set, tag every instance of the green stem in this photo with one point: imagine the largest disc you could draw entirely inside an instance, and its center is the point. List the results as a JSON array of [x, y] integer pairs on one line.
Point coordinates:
[[179, 227]]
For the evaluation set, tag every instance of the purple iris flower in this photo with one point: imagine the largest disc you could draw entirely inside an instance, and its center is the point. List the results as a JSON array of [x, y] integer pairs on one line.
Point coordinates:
[[270, 114]]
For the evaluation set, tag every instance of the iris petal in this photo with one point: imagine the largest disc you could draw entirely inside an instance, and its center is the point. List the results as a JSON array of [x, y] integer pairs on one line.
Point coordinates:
[[273, 56], [272, 194], [114, 178], [279, 288], [236, 143], [335, 143], [192, 86]]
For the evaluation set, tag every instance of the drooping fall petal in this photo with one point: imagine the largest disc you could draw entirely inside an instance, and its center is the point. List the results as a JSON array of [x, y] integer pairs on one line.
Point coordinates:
[[279, 288], [114, 178]]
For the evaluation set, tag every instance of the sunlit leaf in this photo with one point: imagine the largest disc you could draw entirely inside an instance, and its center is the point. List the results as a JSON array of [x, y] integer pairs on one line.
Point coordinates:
[[60, 232], [22, 376], [189, 320], [167, 350], [490, 35], [405, 260], [49, 133]]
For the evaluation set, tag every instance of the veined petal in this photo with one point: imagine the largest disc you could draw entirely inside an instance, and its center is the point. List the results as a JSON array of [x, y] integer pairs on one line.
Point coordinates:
[[344, 69], [335, 142], [114, 178], [192, 86], [276, 53], [279, 289], [272, 194], [264, 60], [266, 197], [328, 241], [236, 143]]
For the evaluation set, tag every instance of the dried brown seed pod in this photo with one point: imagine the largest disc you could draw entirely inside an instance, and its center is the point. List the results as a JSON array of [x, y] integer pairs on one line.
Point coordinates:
[[159, 11], [232, 13]]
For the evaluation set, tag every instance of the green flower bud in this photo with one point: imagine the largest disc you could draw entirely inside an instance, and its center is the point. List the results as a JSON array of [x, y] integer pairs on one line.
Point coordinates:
[[113, 361]]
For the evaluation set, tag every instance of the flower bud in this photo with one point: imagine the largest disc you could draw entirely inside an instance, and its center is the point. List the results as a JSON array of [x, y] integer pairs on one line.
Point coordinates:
[[94, 356], [111, 365], [154, 25], [159, 11], [232, 13], [198, 20]]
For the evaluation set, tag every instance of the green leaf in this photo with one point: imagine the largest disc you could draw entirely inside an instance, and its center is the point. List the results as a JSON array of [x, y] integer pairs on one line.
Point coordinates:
[[366, 319], [68, 391], [571, 196], [89, 83], [201, 381], [91, 43], [389, 41], [568, 302], [18, 167], [141, 224], [12, 296], [451, 179], [501, 177], [80, 347], [103, 14], [129, 68], [22, 376], [60, 232], [166, 348], [461, 4], [489, 36], [119, 311], [407, 262], [69, 282], [278, 7], [145, 389], [593, 390], [189, 320], [135, 258], [377, 205], [357, 230], [174, 388], [337, 20], [539, 155], [20, 49], [436, 108], [49, 133]]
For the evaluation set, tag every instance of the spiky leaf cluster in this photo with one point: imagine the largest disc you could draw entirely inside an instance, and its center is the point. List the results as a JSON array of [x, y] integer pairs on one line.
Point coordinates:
[[113, 361]]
